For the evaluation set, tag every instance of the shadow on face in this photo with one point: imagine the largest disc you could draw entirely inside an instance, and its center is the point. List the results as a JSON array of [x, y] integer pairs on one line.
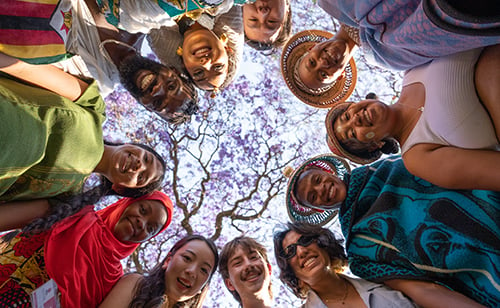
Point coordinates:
[[141, 221], [205, 58]]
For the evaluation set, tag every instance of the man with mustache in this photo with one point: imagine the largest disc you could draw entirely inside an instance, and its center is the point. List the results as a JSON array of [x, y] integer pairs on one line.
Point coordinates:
[[246, 271]]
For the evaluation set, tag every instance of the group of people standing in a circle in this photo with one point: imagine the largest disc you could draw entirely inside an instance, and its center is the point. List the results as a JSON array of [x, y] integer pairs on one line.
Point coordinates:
[[421, 229]]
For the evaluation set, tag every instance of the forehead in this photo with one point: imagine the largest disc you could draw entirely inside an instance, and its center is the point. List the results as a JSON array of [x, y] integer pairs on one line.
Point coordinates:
[[168, 70], [158, 209], [200, 249], [290, 238], [242, 251]]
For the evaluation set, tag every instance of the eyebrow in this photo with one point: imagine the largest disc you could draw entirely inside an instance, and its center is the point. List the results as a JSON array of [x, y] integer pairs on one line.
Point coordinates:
[[196, 256], [232, 260]]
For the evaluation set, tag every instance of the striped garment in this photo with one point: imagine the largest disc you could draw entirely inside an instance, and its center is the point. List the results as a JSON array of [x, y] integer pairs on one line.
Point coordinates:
[[35, 30]]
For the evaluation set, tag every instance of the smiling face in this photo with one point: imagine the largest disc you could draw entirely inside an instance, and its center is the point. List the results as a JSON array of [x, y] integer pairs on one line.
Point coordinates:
[[141, 221], [263, 19], [367, 122], [133, 166], [188, 270], [324, 63], [163, 92], [249, 273], [205, 58], [319, 188], [310, 262], [155, 86]]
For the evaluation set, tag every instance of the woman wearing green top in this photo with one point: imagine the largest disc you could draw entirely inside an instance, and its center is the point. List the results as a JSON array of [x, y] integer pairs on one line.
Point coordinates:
[[51, 133]]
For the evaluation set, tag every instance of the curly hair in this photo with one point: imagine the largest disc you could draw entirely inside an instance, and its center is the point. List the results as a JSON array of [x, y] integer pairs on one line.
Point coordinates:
[[246, 243], [149, 291], [326, 240], [65, 205], [281, 39]]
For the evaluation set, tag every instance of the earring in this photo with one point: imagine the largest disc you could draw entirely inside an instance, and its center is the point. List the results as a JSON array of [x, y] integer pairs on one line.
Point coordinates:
[[179, 51], [223, 38], [214, 93]]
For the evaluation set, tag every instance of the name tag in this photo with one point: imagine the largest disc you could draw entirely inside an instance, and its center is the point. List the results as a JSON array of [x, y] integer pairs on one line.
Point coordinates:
[[46, 296]]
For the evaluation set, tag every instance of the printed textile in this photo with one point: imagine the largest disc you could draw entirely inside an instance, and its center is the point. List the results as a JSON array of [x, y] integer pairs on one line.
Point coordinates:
[[35, 30], [399, 226], [22, 269]]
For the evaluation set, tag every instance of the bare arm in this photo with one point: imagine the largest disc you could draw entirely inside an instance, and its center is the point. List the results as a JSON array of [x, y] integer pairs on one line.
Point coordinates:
[[431, 295], [454, 168], [122, 293], [44, 76], [487, 81], [17, 214]]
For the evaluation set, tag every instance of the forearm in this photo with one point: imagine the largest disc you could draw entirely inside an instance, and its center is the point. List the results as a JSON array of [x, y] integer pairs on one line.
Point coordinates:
[[431, 295], [44, 76], [455, 168], [17, 214]]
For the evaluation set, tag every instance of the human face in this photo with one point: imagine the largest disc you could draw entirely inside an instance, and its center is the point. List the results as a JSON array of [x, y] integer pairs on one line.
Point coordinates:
[[310, 262], [188, 270], [133, 166], [155, 86], [205, 58], [141, 221], [163, 92], [249, 273], [263, 19], [367, 122], [324, 63], [319, 188]]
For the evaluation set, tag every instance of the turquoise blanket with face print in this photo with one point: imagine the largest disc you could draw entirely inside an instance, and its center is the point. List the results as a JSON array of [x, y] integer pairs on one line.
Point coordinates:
[[398, 226]]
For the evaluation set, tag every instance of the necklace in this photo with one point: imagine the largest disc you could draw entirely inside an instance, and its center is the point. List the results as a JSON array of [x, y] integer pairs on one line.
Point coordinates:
[[342, 300], [104, 52]]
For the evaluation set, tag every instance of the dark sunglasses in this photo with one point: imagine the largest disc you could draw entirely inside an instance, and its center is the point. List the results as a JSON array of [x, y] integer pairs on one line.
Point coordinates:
[[291, 250]]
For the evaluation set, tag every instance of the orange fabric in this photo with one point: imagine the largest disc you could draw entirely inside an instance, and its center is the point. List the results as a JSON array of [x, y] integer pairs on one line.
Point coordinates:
[[83, 256]]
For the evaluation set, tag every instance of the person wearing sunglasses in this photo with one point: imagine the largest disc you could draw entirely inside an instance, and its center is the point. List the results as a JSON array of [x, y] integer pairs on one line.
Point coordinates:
[[311, 261]]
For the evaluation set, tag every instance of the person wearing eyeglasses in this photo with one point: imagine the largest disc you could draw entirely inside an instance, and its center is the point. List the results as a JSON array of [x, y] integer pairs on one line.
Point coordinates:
[[311, 261]]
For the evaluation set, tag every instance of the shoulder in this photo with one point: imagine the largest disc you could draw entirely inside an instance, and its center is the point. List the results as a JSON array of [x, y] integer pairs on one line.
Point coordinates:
[[122, 293], [378, 295]]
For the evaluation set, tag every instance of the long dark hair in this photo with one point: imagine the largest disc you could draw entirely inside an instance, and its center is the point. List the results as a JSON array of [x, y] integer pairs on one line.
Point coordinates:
[[326, 240], [150, 290], [66, 205]]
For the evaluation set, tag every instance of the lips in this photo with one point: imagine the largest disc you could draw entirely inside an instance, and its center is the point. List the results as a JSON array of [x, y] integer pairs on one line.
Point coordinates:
[[145, 80], [251, 276], [183, 284], [366, 115], [202, 51], [331, 192], [309, 261]]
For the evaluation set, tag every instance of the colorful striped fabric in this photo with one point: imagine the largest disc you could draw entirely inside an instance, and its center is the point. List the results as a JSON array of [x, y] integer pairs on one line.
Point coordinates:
[[35, 30]]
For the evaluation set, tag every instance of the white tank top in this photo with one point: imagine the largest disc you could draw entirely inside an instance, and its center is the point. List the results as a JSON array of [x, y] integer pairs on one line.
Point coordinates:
[[453, 114]]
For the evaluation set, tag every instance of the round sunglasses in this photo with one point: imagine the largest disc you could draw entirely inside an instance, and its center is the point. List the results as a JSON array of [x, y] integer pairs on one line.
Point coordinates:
[[291, 250]]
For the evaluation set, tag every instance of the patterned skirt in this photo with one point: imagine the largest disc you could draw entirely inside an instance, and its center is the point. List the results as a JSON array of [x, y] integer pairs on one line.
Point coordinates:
[[22, 269]]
